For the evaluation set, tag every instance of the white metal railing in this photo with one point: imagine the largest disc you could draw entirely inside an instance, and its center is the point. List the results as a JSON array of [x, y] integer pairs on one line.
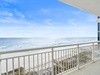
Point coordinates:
[[53, 60]]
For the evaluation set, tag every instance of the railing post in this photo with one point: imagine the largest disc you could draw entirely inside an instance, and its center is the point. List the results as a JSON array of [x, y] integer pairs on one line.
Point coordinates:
[[78, 57], [52, 61], [93, 52]]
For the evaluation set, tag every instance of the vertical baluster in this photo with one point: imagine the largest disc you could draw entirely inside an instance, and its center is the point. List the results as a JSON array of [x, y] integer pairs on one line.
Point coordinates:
[[66, 59], [81, 51], [38, 63], [7, 66], [70, 59], [55, 66], [45, 65], [48, 60], [58, 63], [52, 61], [63, 61], [29, 64], [33, 64], [75, 50], [13, 65], [41, 64], [19, 64], [74, 58], [24, 64]]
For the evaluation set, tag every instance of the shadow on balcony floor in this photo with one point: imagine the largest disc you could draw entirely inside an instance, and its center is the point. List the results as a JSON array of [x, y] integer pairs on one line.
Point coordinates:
[[91, 69]]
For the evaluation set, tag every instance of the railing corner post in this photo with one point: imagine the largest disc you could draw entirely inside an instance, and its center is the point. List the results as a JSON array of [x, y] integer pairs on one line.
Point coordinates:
[[78, 57], [52, 61], [93, 52]]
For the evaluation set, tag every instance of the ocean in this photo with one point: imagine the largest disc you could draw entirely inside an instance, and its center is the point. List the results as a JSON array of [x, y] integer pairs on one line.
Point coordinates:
[[7, 44]]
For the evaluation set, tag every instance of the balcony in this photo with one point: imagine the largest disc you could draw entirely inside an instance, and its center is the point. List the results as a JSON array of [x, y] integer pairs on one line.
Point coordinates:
[[56, 60], [91, 69]]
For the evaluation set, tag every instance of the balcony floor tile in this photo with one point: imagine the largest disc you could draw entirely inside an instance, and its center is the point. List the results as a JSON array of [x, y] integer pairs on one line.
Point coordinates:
[[91, 69]]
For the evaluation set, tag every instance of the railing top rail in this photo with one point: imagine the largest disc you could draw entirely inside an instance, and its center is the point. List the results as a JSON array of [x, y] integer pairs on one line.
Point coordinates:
[[41, 48]]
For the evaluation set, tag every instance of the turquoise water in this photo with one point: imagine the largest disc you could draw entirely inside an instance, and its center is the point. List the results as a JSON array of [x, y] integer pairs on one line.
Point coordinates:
[[23, 43]]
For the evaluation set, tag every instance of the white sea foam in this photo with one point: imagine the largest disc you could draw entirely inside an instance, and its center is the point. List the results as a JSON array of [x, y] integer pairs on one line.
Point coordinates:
[[23, 43]]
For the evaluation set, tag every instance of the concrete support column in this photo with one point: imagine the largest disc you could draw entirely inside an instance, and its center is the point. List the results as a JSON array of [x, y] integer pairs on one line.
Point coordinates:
[[98, 28], [98, 32]]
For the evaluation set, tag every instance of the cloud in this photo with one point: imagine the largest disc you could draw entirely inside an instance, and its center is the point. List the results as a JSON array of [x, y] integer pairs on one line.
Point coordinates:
[[48, 21], [5, 13], [6, 20], [73, 22], [78, 12], [9, 14], [16, 22], [45, 10], [11, 1], [52, 31], [19, 27], [91, 18], [6, 3], [11, 27], [19, 14]]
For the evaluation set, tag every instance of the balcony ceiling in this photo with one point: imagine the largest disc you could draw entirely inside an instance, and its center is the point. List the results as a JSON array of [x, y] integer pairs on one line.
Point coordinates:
[[91, 6]]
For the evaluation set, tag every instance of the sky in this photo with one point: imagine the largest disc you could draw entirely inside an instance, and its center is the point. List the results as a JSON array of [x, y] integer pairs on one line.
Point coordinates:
[[44, 18]]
